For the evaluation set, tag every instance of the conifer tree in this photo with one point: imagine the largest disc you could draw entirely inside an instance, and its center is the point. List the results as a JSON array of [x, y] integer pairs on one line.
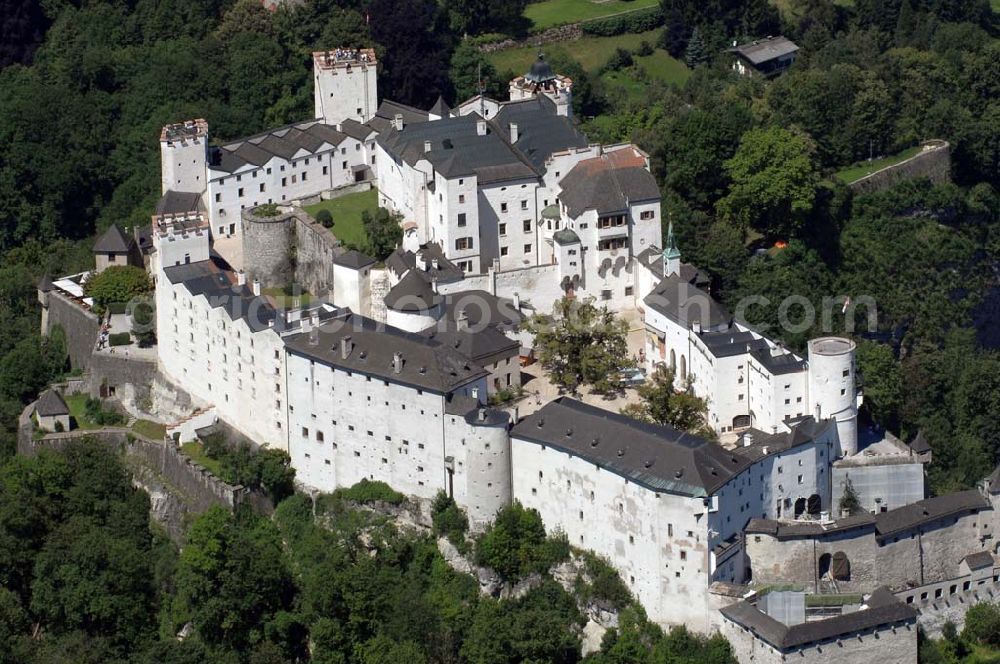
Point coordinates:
[[696, 54]]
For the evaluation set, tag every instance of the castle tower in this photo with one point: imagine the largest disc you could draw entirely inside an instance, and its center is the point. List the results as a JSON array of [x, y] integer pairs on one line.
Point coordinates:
[[345, 86], [478, 461], [541, 79], [833, 390], [671, 254], [184, 156]]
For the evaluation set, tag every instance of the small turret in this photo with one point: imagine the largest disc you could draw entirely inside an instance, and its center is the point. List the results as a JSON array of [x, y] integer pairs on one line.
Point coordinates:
[[671, 254], [542, 79]]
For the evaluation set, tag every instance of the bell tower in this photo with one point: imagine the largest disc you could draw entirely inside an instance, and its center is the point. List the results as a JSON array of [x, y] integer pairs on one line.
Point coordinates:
[[542, 80]]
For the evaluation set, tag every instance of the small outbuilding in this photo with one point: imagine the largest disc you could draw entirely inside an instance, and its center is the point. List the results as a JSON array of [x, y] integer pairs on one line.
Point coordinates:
[[116, 247], [51, 412], [764, 57]]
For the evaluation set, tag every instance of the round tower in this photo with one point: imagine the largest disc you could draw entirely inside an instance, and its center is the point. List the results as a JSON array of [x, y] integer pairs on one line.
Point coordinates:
[[832, 389], [541, 79], [479, 446]]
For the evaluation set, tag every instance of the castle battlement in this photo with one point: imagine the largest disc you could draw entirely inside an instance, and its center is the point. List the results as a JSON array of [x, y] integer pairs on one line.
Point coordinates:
[[343, 57], [189, 130]]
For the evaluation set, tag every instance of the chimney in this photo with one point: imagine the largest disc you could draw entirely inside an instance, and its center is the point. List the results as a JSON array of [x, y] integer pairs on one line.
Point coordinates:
[[517, 302], [475, 393], [241, 278], [513, 132], [312, 325], [696, 326], [397, 362], [345, 348], [482, 414], [462, 320], [434, 263], [764, 450], [424, 263], [256, 287], [339, 126], [427, 146], [397, 121], [817, 411], [747, 439], [481, 127]]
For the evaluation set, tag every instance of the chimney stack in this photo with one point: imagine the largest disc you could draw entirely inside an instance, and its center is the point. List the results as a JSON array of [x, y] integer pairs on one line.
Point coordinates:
[[256, 287], [241, 278], [817, 411], [427, 146], [747, 439], [397, 121], [434, 263], [462, 320], [481, 127], [475, 393], [397, 362], [482, 414], [513, 132], [345, 348], [517, 302]]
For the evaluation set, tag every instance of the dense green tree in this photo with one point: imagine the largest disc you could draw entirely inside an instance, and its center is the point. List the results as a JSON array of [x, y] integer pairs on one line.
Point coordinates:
[[665, 402], [118, 283], [515, 544], [470, 69], [415, 62], [383, 232], [774, 181], [883, 386], [474, 17], [982, 624], [696, 53], [580, 344]]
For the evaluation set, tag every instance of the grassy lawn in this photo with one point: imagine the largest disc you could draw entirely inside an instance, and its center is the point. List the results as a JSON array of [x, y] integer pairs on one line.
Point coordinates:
[[150, 430], [861, 169], [78, 410], [558, 12], [346, 211], [590, 52], [284, 297], [995, 4], [196, 452]]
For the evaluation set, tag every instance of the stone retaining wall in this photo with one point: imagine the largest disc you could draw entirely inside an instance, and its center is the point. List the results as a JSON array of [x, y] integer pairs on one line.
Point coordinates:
[[932, 162], [81, 327]]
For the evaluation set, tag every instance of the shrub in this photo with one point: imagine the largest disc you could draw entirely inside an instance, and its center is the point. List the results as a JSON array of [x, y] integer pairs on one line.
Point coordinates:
[[59, 427], [619, 60], [120, 339], [267, 210], [325, 217], [982, 624], [117, 307], [366, 492], [637, 21], [118, 283], [95, 412], [449, 520], [645, 48], [605, 583], [515, 544]]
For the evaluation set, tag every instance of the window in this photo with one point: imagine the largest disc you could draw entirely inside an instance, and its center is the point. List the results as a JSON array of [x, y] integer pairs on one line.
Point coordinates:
[[463, 243], [527, 248], [239, 192], [524, 204], [503, 251], [305, 432], [847, 372], [503, 207], [319, 436], [461, 219], [261, 186], [527, 225], [461, 198], [218, 198], [628, 291], [284, 182], [503, 229], [344, 165], [684, 555], [648, 214], [325, 170]]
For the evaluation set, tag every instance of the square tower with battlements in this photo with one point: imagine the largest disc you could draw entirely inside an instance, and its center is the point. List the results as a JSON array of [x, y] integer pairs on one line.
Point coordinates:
[[345, 85], [184, 156]]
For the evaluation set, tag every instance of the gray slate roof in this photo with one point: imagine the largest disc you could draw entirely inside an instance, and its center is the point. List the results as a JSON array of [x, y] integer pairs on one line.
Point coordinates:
[[763, 50], [113, 241], [387, 111], [400, 261], [427, 364], [484, 346], [652, 258], [178, 202], [566, 236], [541, 131], [354, 260], [732, 342], [686, 304], [659, 458], [883, 609], [283, 142], [481, 309], [606, 191], [457, 149], [51, 404], [802, 432], [887, 524], [979, 560], [412, 294]]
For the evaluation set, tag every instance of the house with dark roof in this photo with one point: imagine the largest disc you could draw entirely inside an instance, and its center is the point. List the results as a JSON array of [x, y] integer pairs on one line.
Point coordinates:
[[764, 57], [881, 629], [51, 412], [115, 247]]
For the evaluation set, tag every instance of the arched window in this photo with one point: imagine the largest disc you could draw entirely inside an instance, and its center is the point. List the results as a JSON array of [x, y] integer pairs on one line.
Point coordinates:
[[673, 360], [684, 372], [741, 421], [825, 561], [814, 505], [841, 567], [800, 507]]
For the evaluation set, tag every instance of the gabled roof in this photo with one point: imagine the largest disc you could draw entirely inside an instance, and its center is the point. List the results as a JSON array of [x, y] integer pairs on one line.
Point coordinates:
[[292, 141], [113, 241], [481, 345], [481, 309], [387, 111], [763, 50], [919, 444], [602, 185], [677, 299], [541, 131], [802, 432], [51, 404], [883, 608], [659, 458], [426, 364], [652, 259], [401, 260]]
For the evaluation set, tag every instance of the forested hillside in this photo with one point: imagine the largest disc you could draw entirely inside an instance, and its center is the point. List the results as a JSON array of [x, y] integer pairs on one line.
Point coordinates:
[[84, 580]]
